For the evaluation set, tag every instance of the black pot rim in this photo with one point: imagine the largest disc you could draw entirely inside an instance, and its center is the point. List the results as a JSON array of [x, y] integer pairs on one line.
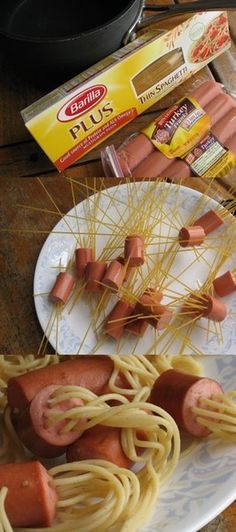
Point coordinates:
[[45, 40]]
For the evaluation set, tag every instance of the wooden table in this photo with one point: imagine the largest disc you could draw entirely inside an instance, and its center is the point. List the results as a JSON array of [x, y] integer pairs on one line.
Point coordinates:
[[21, 157]]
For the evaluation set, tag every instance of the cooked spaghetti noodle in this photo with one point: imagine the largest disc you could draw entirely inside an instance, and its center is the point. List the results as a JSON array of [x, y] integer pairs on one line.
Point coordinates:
[[218, 414], [4, 521]]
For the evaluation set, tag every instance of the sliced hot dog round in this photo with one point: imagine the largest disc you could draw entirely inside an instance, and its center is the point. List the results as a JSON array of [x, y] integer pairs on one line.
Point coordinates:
[[63, 288], [31, 425], [94, 273], [82, 257], [91, 372], [134, 250], [191, 236], [225, 284], [116, 320], [128, 269], [31, 499], [204, 305], [214, 309], [209, 221], [114, 275], [194, 306], [178, 392], [158, 316], [137, 327], [162, 318], [101, 443], [148, 301]]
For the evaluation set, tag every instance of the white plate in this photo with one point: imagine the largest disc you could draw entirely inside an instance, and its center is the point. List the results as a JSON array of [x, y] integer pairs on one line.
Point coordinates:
[[204, 483], [68, 335]]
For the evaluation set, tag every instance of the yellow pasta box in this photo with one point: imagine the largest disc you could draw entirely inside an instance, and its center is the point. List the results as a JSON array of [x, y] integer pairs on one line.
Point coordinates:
[[74, 118]]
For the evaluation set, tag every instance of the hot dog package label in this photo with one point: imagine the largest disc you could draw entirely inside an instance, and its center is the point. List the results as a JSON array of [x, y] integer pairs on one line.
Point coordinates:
[[179, 129], [210, 158]]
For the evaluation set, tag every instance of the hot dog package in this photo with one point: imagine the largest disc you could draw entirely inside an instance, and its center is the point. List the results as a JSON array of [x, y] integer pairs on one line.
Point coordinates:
[[74, 118], [194, 137]]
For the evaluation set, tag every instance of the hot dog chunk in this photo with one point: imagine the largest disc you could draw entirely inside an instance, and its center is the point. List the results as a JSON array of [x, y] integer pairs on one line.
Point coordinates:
[[92, 372], [31, 499], [42, 439], [99, 442], [178, 392]]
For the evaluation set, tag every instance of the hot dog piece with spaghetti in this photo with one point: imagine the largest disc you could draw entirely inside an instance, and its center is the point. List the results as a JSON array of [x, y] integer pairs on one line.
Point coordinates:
[[214, 309], [191, 236], [157, 315], [225, 284], [82, 257], [35, 431], [209, 221], [88, 371], [193, 306], [134, 250], [177, 393], [117, 318], [102, 443], [127, 268], [137, 327], [161, 319], [63, 288], [148, 300], [206, 306], [31, 498], [94, 273], [114, 275]]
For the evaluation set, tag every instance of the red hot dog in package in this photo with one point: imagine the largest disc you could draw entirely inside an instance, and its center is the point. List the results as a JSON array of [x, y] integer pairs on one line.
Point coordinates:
[[194, 137]]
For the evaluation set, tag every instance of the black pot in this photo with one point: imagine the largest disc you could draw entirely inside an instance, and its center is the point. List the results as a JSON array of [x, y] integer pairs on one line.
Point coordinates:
[[50, 41]]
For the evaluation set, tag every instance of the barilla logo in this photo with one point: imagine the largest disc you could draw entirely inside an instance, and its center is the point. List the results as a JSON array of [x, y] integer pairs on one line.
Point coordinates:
[[83, 102]]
